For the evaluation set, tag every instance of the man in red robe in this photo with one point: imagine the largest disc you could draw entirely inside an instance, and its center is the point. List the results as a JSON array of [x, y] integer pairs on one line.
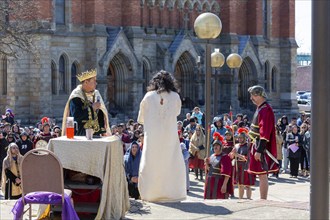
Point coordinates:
[[262, 132]]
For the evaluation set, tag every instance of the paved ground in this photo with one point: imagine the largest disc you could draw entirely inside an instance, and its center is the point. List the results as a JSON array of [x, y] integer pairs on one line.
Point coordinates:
[[287, 199]]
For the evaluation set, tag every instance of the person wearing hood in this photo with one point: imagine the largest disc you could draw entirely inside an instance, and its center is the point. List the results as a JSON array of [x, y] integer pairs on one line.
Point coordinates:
[[132, 163], [9, 116], [283, 123], [24, 144], [11, 181], [218, 127]]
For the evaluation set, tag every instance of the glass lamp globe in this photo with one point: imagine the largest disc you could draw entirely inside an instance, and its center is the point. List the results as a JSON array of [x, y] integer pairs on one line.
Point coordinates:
[[217, 58], [234, 61], [207, 26]]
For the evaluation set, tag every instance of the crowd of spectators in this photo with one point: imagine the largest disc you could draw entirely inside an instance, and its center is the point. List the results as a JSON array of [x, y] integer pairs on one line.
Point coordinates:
[[293, 141], [192, 139]]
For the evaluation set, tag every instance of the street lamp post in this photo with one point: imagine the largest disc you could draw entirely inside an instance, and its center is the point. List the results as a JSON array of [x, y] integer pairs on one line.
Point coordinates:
[[208, 26], [217, 61]]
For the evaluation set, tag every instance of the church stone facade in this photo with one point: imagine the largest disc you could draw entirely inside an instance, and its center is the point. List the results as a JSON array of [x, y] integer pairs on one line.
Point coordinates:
[[128, 41]]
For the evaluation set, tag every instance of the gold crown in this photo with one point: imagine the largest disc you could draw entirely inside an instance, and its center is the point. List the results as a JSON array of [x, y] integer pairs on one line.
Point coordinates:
[[86, 75]]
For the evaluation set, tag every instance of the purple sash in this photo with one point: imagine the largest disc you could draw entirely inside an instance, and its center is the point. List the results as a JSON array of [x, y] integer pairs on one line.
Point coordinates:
[[294, 147], [68, 212]]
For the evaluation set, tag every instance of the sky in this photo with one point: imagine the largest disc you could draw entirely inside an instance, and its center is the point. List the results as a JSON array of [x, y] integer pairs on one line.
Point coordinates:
[[303, 25]]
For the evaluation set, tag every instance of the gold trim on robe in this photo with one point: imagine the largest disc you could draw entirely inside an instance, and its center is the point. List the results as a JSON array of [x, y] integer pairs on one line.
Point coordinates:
[[78, 93]]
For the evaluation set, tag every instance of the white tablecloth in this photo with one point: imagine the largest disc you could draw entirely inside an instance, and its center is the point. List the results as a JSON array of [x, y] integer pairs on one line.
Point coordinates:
[[102, 158]]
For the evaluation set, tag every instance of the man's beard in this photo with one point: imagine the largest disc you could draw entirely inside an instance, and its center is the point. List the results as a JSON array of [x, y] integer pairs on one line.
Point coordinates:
[[90, 92]]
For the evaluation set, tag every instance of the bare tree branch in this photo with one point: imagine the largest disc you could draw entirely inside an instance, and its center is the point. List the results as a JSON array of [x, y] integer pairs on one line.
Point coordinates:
[[18, 25]]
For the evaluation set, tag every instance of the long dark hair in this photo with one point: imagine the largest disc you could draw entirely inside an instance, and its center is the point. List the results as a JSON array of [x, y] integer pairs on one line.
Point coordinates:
[[163, 81]]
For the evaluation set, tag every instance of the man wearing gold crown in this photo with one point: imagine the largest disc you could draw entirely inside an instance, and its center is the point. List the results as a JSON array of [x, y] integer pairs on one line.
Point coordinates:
[[86, 105]]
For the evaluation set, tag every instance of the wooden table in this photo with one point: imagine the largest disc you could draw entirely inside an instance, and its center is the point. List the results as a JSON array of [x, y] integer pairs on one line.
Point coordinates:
[[103, 158]]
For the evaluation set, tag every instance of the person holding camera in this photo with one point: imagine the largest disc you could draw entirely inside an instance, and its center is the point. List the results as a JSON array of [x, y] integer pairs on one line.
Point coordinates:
[[11, 179]]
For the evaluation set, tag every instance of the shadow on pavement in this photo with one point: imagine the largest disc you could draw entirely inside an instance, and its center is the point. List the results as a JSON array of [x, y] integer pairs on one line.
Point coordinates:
[[273, 180], [195, 195], [198, 207], [139, 207]]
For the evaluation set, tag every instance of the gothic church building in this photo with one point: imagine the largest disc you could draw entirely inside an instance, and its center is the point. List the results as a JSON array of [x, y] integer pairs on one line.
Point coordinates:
[[129, 40]]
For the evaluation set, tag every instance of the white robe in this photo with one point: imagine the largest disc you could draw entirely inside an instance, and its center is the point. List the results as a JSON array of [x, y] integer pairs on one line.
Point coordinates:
[[162, 176]]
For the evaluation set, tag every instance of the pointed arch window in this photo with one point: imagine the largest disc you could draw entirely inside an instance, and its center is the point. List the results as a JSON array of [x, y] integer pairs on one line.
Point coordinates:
[[274, 79], [4, 75], [61, 72], [73, 76], [60, 11], [53, 69], [146, 75], [247, 77], [266, 74], [266, 18]]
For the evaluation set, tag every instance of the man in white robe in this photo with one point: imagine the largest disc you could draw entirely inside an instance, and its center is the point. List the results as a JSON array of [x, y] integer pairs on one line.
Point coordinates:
[[162, 171]]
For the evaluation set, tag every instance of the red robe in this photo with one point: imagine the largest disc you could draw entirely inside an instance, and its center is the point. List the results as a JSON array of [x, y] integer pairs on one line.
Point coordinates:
[[227, 148], [220, 167], [263, 127], [43, 136], [241, 176]]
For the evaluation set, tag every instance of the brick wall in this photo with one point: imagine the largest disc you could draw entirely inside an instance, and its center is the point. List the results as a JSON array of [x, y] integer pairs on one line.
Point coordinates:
[[228, 23], [46, 9], [78, 11], [254, 17], [131, 13], [288, 19], [89, 50], [166, 17], [145, 15], [174, 17], [283, 18], [238, 16], [241, 12]]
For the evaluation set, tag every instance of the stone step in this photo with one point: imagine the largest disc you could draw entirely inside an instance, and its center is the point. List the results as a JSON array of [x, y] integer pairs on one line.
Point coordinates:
[[78, 185], [80, 207]]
